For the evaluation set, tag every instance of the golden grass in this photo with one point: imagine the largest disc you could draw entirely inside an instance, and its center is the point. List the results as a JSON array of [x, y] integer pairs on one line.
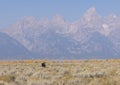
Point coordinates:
[[67, 72]]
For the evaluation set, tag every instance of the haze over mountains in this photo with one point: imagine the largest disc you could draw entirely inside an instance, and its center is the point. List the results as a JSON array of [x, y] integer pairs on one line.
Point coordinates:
[[92, 36], [10, 48]]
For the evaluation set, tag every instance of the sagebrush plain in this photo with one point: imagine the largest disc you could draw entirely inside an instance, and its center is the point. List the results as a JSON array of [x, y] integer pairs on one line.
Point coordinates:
[[67, 72]]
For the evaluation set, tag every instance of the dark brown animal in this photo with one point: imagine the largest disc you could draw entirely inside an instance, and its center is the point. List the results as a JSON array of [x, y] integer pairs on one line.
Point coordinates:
[[43, 64]]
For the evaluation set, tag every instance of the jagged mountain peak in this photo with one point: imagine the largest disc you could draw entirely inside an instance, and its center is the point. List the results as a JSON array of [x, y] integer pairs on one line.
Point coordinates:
[[27, 19], [91, 11], [25, 22], [58, 19], [91, 14], [59, 22], [44, 35]]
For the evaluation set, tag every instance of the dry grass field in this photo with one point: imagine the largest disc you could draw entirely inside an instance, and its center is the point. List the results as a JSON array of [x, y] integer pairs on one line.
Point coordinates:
[[71, 72]]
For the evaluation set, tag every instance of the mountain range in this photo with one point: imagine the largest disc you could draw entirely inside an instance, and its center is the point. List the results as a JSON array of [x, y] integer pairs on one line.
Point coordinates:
[[11, 48], [91, 36]]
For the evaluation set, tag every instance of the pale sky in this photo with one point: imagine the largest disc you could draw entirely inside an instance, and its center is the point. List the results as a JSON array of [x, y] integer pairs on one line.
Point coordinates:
[[71, 10]]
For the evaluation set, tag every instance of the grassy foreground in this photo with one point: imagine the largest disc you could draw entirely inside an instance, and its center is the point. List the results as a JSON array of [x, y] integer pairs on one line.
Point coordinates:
[[73, 72]]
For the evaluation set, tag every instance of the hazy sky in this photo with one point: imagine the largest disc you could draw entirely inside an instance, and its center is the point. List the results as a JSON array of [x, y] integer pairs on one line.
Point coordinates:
[[12, 10]]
